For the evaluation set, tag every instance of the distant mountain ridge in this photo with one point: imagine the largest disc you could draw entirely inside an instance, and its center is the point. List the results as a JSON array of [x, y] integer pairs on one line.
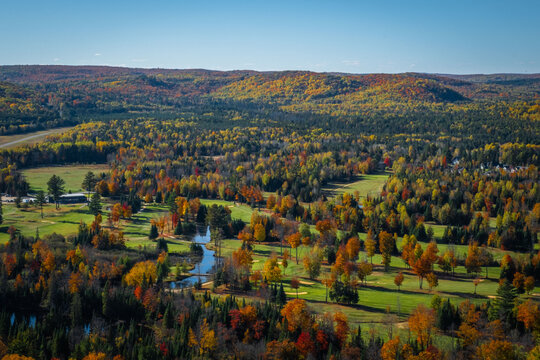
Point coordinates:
[[54, 95]]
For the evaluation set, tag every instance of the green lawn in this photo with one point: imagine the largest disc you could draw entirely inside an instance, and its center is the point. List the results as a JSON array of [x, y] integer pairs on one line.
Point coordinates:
[[64, 221], [380, 291], [73, 175], [238, 211], [369, 184]]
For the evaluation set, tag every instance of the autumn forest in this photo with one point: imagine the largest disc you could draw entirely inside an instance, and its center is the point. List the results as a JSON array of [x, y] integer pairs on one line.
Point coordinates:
[[195, 214]]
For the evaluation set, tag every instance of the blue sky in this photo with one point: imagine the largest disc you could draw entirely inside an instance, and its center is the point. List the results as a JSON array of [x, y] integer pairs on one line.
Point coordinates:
[[455, 36]]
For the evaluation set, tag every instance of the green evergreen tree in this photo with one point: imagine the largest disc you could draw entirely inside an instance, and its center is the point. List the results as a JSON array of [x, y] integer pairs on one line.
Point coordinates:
[[76, 310], [282, 297], [56, 188], [178, 228], [89, 181], [153, 232], [503, 305], [95, 204]]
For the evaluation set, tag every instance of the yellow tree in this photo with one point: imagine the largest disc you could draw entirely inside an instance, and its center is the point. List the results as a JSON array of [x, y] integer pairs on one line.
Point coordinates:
[[353, 247], [259, 233], [421, 322], [141, 271], [386, 246], [294, 242], [271, 270], [370, 245]]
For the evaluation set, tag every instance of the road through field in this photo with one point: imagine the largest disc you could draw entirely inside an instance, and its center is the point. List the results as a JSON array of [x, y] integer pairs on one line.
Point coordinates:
[[36, 135]]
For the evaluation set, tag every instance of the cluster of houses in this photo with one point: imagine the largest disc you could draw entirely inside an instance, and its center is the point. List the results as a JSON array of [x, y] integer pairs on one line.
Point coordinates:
[[75, 198]]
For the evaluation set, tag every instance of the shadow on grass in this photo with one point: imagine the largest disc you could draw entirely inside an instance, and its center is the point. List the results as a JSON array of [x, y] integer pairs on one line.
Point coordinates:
[[352, 306]]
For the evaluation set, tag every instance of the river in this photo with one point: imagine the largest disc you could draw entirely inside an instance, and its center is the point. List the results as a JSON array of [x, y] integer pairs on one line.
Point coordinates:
[[205, 266]]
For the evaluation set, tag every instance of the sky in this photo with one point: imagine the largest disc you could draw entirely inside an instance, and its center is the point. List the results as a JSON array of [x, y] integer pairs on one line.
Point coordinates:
[[377, 36]]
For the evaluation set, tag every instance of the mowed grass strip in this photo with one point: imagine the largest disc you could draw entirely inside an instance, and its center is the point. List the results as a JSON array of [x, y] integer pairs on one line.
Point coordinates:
[[366, 185], [73, 175]]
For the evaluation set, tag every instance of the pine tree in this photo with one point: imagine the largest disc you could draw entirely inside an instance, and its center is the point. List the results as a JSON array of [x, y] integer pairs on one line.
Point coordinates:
[[105, 300], [153, 232], [76, 310], [282, 297], [56, 188], [178, 228], [502, 307], [95, 204], [89, 181]]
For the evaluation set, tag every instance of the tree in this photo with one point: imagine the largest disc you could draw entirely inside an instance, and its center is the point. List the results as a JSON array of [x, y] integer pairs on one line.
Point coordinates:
[[271, 270], [342, 292], [305, 344], [295, 284], [217, 216], [312, 263], [259, 233], [421, 322], [294, 242], [391, 349], [529, 314], [342, 327], [116, 212], [178, 228], [497, 349], [529, 284], [56, 188], [153, 232], [486, 258], [398, 280], [364, 269], [297, 315], [208, 342], [386, 246], [141, 273], [503, 305], [40, 200], [432, 279], [353, 247], [370, 246], [519, 282], [95, 204], [281, 350], [476, 282], [473, 263], [89, 182]]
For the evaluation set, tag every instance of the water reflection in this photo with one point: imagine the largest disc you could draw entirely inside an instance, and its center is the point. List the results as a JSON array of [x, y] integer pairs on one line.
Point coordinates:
[[206, 264]]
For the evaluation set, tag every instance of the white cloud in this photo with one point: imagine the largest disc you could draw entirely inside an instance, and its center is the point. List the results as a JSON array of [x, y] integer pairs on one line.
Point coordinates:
[[56, 59], [97, 54], [351, 62]]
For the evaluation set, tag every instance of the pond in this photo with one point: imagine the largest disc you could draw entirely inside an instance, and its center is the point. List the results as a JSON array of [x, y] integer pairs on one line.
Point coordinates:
[[205, 266]]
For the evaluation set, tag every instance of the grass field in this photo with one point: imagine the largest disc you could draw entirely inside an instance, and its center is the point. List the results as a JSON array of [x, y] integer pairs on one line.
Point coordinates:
[[380, 291], [73, 175], [11, 141], [370, 184], [241, 211], [64, 221]]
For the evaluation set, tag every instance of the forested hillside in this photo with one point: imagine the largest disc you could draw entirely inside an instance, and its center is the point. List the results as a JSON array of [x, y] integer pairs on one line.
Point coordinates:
[[503, 108], [269, 215]]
